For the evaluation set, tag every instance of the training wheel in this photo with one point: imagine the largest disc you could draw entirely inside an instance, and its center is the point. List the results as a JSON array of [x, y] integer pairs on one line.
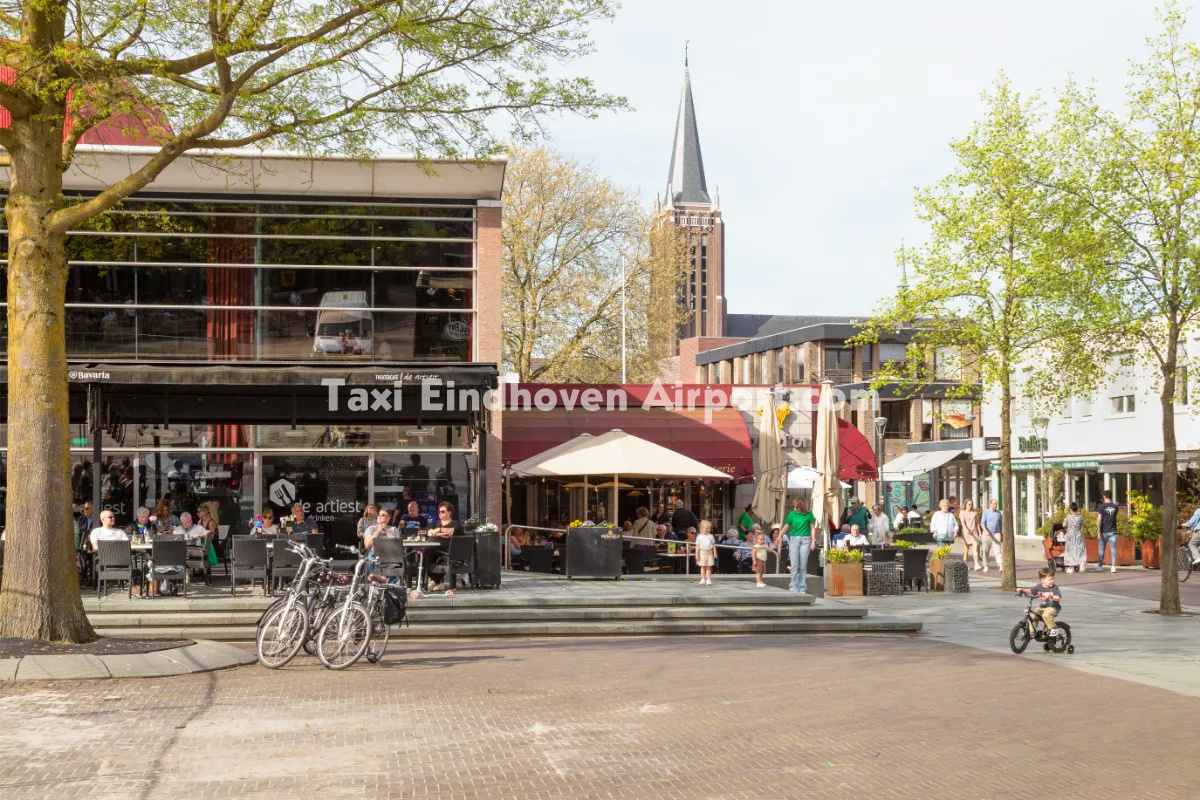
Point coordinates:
[[1070, 648], [1046, 647], [414, 594], [449, 593]]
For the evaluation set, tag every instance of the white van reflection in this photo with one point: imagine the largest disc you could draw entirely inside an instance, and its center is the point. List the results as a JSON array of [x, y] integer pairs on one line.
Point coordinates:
[[343, 327]]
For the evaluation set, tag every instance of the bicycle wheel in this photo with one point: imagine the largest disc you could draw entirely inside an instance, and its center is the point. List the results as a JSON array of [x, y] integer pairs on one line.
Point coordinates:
[[343, 638], [380, 633], [271, 609], [281, 635], [1060, 644], [1183, 563], [1018, 640]]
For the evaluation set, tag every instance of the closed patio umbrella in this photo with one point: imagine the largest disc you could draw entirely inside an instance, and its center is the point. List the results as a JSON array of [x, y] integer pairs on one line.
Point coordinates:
[[827, 486], [770, 493]]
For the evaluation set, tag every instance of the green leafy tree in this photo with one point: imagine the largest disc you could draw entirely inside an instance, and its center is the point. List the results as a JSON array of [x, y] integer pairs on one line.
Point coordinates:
[[573, 241], [1136, 175], [985, 282], [428, 76]]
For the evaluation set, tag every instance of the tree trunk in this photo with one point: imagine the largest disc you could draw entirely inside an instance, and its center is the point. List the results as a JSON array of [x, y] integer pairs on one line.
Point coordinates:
[[1008, 545], [40, 595], [1168, 601]]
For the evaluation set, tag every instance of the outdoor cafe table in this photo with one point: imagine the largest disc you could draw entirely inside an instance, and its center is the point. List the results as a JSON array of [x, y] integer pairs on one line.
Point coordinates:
[[681, 553], [420, 546]]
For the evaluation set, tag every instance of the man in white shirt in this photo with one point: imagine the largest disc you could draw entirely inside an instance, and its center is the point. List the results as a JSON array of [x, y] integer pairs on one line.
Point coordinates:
[[188, 529], [108, 531], [942, 524], [855, 539]]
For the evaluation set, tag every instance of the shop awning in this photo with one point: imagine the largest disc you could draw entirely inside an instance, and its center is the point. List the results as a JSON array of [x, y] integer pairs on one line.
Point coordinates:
[[1142, 462], [856, 456], [617, 453], [723, 445], [910, 465]]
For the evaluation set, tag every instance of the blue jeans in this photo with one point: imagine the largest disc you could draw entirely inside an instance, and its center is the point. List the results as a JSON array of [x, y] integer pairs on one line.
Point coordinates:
[[798, 549], [1107, 539]]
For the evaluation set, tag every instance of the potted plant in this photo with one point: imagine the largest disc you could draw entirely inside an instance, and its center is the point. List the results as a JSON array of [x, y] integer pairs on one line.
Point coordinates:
[[941, 554], [1146, 529], [903, 544], [843, 573]]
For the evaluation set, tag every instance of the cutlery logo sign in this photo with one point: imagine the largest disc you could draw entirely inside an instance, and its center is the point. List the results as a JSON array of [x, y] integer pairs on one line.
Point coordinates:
[[282, 493]]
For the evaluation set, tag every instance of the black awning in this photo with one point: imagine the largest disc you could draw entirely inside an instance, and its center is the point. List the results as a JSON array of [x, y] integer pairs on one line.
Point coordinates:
[[264, 393]]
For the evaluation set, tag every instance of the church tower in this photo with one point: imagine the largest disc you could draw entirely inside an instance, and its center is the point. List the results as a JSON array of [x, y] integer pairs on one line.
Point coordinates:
[[690, 208]]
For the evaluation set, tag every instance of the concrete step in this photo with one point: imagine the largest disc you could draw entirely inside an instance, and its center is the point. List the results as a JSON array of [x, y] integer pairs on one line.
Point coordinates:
[[433, 615], [577, 628], [466, 600]]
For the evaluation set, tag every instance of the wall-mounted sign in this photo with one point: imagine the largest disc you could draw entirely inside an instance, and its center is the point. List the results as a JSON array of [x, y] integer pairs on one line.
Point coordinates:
[[1033, 444], [991, 443]]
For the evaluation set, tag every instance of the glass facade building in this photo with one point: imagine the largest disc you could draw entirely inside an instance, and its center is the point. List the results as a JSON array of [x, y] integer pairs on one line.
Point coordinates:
[[269, 282]]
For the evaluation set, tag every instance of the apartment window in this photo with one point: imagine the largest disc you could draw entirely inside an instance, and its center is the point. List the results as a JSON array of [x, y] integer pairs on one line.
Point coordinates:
[[898, 417], [1085, 407], [946, 364], [1067, 409], [1181, 386], [1123, 404], [865, 353], [839, 364], [779, 361]]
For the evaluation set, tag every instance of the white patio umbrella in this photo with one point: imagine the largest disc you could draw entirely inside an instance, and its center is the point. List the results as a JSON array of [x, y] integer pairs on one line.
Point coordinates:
[[827, 488], [803, 478], [619, 452], [770, 493]]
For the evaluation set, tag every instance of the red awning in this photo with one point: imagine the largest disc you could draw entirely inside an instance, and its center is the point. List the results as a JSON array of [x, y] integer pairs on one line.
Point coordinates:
[[856, 457], [723, 445]]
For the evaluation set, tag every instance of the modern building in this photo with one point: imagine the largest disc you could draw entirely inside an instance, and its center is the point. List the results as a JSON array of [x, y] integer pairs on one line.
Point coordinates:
[[1109, 441], [258, 329], [942, 413], [690, 208]]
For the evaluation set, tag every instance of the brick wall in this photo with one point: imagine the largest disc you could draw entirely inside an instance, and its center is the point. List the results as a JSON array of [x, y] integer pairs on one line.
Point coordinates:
[[690, 348], [489, 339]]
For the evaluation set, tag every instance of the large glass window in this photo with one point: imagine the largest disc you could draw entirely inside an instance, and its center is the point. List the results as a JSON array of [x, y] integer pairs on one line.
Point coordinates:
[[839, 364]]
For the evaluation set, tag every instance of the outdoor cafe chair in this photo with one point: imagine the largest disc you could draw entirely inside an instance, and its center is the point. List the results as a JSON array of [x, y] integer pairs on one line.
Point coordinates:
[[635, 560], [169, 553], [915, 568], [223, 545], [249, 562], [880, 555], [285, 563], [114, 562], [458, 559], [315, 542], [200, 562], [390, 558]]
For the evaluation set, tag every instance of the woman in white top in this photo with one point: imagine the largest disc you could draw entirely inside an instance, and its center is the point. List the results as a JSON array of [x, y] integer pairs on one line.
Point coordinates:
[[643, 529], [901, 520], [706, 552]]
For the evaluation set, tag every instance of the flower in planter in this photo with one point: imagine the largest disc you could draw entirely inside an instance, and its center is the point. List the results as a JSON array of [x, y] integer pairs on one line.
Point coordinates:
[[943, 552]]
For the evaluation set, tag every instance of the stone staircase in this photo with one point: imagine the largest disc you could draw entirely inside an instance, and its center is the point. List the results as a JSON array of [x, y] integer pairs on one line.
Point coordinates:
[[522, 607]]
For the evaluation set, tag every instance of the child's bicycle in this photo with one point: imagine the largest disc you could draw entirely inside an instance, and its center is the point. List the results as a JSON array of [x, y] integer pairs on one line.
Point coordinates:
[[1032, 627]]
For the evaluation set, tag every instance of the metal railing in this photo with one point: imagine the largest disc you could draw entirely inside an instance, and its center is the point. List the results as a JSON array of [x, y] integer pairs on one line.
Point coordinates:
[[689, 548]]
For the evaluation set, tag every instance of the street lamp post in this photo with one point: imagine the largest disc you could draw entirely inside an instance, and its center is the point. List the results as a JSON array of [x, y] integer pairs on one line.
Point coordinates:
[[622, 260], [880, 427], [1041, 423]]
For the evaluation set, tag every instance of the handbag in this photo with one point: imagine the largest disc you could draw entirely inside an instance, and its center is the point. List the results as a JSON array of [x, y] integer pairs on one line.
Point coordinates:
[[395, 605]]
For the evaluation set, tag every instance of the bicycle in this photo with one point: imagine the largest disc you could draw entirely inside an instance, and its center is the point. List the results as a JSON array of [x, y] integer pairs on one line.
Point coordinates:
[[345, 635], [1184, 563], [1033, 627], [284, 627]]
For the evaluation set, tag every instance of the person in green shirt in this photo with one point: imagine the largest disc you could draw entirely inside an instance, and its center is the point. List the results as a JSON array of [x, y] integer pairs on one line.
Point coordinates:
[[745, 523], [798, 527], [858, 515]]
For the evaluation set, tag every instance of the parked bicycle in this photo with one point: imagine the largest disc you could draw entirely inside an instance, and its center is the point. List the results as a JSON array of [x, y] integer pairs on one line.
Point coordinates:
[[288, 623], [1184, 564], [1033, 627], [360, 624]]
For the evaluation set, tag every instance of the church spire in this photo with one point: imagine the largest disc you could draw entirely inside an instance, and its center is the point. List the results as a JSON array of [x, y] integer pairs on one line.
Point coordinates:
[[685, 180]]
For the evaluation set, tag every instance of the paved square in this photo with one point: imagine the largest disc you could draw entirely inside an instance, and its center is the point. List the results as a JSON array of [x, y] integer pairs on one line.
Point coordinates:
[[684, 717]]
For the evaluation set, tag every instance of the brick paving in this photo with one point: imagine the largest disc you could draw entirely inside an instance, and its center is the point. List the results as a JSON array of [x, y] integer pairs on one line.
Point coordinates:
[[725, 717]]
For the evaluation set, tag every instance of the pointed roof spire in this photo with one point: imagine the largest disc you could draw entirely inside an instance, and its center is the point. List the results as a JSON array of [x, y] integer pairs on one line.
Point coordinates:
[[685, 180]]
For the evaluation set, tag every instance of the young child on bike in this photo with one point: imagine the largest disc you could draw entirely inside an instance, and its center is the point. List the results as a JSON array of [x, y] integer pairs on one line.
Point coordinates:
[[1049, 598]]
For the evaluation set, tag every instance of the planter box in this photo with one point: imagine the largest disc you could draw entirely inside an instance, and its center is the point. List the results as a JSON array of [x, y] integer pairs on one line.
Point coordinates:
[[884, 579], [593, 553], [1125, 551], [1152, 554], [955, 577], [843, 580], [936, 582], [1092, 546]]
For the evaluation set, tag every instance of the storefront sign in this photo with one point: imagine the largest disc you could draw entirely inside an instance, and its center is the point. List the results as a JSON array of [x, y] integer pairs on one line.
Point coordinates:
[[1035, 466], [991, 443], [1033, 444]]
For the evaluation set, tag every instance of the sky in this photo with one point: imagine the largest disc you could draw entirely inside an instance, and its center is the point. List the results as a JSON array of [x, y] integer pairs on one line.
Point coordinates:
[[818, 121]]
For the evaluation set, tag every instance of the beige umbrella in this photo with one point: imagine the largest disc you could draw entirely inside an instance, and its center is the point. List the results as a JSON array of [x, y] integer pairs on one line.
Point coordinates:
[[770, 493], [827, 487]]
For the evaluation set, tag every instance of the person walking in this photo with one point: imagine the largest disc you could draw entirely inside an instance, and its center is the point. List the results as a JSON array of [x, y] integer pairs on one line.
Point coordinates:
[[969, 519], [990, 524], [798, 526], [1106, 518], [943, 525], [881, 526], [1075, 555]]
